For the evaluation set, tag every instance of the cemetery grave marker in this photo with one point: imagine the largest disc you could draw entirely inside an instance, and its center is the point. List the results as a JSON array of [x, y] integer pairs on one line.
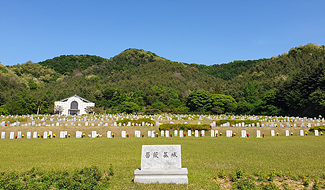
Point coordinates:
[[161, 164]]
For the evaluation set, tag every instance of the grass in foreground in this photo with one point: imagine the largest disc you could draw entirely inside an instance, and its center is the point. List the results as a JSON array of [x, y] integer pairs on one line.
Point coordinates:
[[204, 157]]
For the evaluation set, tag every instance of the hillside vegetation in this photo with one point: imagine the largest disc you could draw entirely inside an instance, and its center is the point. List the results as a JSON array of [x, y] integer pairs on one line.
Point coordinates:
[[140, 81]]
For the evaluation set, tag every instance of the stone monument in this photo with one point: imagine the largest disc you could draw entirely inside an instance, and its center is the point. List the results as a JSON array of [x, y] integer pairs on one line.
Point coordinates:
[[161, 164]]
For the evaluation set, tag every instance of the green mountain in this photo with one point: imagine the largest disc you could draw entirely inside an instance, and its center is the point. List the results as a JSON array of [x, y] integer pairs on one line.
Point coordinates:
[[291, 83]]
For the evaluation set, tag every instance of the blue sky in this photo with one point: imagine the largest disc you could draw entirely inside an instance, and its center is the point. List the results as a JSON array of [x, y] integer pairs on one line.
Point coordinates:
[[203, 32]]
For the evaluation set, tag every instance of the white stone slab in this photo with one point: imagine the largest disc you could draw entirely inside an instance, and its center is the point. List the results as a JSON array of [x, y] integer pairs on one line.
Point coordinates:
[[162, 157], [272, 133], [149, 133], [301, 132], [78, 134], [203, 133], [19, 135], [45, 135], [175, 133], [34, 135], [196, 133], [212, 133], [109, 134], [258, 134], [29, 135], [287, 133], [243, 134], [162, 133], [12, 135], [167, 133], [123, 134], [3, 135], [316, 133], [181, 133], [153, 134], [93, 134], [216, 132], [229, 133], [189, 133]]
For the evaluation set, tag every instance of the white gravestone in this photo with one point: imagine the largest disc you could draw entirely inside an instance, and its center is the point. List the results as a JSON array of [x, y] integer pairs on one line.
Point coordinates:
[[212, 133], [51, 134], [287, 133], [161, 164], [272, 133], [149, 133], [316, 133], [181, 133], [109, 134], [175, 133], [138, 134], [203, 133], [29, 135], [19, 135], [12, 135], [93, 134], [196, 133], [258, 134], [228, 133], [3, 135], [45, 135], [162, 133], [153, 134], [189, 133], [243, 134], [216, 132], [34, 135], [301, 132], [78, 134], [123, 134]]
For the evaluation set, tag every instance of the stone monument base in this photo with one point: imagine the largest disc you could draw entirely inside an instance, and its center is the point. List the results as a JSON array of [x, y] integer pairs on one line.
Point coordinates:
[[177, 176]]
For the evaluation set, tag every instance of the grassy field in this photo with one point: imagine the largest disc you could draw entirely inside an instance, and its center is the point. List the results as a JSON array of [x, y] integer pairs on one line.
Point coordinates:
[[204, 157]]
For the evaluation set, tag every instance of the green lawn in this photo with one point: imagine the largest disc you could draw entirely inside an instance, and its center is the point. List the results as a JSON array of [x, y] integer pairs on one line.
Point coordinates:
[[202, 156]]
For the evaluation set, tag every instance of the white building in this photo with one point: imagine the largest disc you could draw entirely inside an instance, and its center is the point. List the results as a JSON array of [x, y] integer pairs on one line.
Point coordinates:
[[74, 105]]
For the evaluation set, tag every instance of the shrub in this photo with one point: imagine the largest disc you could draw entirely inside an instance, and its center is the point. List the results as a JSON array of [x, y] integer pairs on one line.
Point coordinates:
[[246, 184], [319, 128], [192, 127]]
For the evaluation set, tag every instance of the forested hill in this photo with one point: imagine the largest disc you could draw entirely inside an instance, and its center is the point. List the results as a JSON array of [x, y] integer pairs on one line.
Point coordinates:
[[140, 81]]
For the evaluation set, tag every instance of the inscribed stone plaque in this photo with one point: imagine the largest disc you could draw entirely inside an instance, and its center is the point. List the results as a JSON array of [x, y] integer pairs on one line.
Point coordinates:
[[196, 133], [189, 133], [258, 134], [161, 157], [175, 133], [45, 135], [316, 133]]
